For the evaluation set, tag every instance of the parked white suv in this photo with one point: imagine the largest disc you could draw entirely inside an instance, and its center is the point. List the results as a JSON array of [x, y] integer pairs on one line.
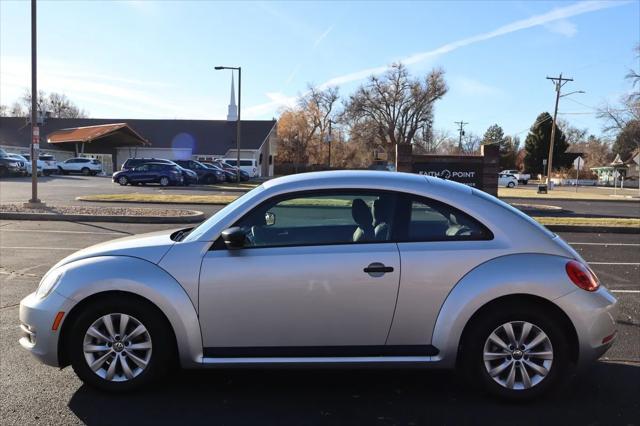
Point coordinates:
[[86, 166], [248, 165]]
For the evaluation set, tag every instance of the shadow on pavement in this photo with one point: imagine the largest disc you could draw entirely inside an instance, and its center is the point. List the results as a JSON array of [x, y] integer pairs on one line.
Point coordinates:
[[606, 394]]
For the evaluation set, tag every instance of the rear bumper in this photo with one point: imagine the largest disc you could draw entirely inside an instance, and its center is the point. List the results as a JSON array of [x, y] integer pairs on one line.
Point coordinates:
[[593, 316]]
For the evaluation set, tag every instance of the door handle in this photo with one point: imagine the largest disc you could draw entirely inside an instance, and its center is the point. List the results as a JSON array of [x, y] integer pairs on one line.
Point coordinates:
[[378, 268]]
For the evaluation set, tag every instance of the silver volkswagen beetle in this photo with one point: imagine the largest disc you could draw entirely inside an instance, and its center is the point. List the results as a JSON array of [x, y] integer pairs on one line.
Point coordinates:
[[333, 268]]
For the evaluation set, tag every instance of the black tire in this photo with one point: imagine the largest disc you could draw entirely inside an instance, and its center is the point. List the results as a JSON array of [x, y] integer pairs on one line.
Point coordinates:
[[123, 181], [164, 181], [525, 182], [162, 351], [46, 172], [476, 335], [85, 171], [511, 185]]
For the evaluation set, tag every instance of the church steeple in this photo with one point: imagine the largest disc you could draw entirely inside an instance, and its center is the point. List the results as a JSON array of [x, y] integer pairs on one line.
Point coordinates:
[[232, 114]]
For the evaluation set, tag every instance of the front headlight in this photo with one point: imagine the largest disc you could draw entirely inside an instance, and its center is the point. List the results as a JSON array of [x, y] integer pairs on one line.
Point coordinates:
[[48, 283]]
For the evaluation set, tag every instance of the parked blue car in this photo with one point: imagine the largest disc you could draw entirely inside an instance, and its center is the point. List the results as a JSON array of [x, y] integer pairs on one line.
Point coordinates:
[[163, 174]]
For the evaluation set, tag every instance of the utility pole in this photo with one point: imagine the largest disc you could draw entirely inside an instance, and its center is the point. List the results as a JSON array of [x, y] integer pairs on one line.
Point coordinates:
[[461, 131], [329, 140], [558, 82], [34, 202]]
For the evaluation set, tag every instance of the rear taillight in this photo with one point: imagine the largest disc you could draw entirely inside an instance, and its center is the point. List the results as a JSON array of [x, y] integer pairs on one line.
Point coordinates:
[[582, 276]]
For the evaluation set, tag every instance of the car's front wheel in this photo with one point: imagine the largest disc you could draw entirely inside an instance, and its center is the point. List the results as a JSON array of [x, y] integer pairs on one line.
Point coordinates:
[[511, 185], [164, 181], [519, 352], [122, 180], [119, 345]]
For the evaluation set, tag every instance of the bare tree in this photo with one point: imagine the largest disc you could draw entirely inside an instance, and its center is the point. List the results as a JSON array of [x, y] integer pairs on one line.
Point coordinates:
[[56, 104], [398, 104]]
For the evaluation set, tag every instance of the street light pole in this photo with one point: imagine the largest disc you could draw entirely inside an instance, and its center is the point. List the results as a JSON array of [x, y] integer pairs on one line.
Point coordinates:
[[239, 69], [35, 131]]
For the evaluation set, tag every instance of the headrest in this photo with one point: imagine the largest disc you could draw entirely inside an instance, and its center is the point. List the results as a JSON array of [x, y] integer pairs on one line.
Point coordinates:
[[361, 213], [382, 210]]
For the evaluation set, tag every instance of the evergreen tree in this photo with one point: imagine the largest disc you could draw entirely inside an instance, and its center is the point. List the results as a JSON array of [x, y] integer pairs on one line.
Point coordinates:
[[537, 146], [509, 152], [494, 134]]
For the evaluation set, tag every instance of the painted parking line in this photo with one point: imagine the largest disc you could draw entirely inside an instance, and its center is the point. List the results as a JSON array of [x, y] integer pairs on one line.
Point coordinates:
[[625, 291], [51, 231], [615, 263], [40, 248], [606, 244]]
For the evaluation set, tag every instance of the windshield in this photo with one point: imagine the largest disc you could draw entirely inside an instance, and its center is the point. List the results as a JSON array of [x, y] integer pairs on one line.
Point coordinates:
[[207, 224]]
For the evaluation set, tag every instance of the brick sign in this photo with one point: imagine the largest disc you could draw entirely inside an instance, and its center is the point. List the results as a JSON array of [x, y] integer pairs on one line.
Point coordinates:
[[479, 171], [469, 173]]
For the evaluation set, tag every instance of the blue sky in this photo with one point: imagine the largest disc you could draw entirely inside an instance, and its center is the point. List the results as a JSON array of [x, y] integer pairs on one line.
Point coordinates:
[[155, 59]]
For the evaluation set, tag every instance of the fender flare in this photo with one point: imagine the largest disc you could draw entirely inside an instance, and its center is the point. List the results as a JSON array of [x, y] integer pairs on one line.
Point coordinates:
[[502, 276], [88, 277]]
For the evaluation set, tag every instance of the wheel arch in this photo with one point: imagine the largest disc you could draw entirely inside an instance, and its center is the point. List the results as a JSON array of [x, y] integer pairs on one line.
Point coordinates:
[[87, 280], [497, 281], [535, 301], [65, 330]]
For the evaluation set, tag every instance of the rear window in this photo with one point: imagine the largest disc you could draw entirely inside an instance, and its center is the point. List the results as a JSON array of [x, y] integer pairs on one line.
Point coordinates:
[[431, 220], [95, 161]]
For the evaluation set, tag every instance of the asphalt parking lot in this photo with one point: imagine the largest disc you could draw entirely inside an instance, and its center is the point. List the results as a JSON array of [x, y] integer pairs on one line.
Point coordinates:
[[31, 393]]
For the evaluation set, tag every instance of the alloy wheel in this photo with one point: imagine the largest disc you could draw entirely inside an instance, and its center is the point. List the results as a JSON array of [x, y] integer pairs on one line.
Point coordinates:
[[518, 355], [117, 347]]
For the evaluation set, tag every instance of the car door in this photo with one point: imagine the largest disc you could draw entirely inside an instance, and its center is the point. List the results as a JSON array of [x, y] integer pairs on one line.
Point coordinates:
[[438, 245], [312, 279], [139, 174]]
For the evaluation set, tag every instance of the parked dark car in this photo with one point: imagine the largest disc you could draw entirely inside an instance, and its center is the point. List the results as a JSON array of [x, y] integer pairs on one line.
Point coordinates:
[[205, 174], [221, 174], [244, 176], [8, 166], [188, 176], [164, 174]]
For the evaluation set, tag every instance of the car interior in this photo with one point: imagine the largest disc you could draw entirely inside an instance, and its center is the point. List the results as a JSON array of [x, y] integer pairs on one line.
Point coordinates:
[[357, 218]]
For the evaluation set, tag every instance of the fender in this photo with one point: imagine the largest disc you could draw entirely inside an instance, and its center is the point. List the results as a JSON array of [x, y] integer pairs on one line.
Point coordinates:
[[498, 277], [86, 277]]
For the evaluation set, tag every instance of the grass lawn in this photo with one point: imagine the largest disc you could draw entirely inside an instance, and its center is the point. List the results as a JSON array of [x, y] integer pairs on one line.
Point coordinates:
[[582, 194]]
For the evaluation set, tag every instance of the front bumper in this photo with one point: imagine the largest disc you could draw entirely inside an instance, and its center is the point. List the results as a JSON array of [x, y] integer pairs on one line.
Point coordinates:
[[36, 321], [593, 316]]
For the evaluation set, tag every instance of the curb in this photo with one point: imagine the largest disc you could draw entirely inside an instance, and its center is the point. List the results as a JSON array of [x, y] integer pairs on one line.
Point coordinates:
[[198, 216], [150, 202], [594, 229]]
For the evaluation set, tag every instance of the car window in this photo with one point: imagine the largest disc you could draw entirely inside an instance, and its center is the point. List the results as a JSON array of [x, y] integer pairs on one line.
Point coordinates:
[[431, 220], [320, 218], [143, 168]]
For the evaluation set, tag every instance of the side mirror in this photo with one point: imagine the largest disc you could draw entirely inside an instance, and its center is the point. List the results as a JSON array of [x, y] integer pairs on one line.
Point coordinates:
[[269, 218], [233, 237]]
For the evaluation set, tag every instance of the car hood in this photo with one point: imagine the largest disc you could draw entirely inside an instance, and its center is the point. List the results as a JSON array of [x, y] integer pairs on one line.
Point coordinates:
[[152, 247]]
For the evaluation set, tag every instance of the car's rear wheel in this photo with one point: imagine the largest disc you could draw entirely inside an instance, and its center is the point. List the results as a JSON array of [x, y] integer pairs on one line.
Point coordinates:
[[164, 181], [517, 353], [119, 345], [122, 180]]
